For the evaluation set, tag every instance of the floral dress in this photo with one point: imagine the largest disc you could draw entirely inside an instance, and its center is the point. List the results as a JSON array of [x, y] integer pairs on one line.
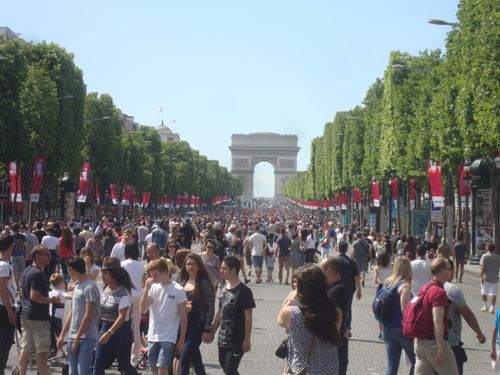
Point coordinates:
[[324, 356]]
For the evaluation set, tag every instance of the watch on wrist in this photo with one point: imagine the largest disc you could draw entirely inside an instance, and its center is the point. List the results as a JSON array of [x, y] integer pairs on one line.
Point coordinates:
[[111, 332]]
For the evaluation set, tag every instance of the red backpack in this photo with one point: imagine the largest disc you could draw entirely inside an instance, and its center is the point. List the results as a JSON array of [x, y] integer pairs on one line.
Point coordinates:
[[416, 320]]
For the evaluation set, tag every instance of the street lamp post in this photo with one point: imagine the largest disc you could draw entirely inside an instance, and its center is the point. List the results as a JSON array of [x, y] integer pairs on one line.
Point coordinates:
[[442, 23]]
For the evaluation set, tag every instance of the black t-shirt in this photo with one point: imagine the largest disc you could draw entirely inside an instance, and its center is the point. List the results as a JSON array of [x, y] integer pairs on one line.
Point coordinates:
[[348, 271], [460, 251], [187, 233], [40, 234], [284, 244], [34, 279], [339, 296], [19, 241], [233, 303]]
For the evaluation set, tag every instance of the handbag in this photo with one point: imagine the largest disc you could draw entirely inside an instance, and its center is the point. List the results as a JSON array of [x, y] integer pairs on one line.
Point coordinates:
[[282, 350], [303, 371]]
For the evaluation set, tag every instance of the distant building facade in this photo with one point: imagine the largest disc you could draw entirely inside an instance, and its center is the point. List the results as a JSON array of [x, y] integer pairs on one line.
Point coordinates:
[[5, 31]]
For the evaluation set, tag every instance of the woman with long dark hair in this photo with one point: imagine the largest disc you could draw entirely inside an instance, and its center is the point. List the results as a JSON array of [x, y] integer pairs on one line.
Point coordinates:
[[201, 309], [115, 336], [66, 244], [314, 327]]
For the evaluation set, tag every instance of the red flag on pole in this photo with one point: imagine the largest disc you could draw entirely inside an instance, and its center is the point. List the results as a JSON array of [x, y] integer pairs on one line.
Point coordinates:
[[36, 181], [344, 200], [435, 184], [15, 182], [112, 193], [395, 191], [464, 188], [83, 192], [376, 194]]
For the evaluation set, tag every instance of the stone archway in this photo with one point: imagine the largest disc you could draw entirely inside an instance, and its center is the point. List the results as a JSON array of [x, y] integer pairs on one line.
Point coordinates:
[[248, 150]]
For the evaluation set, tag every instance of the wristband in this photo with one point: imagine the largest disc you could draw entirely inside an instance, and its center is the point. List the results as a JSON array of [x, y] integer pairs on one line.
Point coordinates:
[[110, 331]]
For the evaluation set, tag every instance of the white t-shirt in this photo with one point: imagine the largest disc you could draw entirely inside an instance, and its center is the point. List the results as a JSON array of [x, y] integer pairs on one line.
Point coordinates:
[[149, 238], [136, 270], [310, 242], [142, 232], [51, 242], [421, 273], [257, 243], [164, 317], [59, 311], [6, 271], [119, 251]]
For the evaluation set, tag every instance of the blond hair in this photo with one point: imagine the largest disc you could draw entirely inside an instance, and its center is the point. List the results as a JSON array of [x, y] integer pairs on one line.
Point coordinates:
[[400, 271]]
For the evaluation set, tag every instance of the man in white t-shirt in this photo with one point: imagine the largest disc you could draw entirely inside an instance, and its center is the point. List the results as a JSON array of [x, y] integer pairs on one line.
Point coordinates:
[[52, 243], [119, 249], [420, 270], [166, 302], [7, 298], [257, 244]]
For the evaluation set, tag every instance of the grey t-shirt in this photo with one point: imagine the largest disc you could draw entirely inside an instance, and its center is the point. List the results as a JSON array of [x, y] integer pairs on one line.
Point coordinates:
[[457, 299], [85, 291], [491, 263]]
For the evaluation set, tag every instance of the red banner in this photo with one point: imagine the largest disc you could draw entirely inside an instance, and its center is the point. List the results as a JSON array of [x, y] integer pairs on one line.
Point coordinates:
[[145, 199], [97, 197], [435, 184], [337, 201], [395, 191], [127, 195], [412, 194], [344, 200], [15, 182], [376, 194], [464, 188], [36, 181], [178, 201], [357, 198], [112, 193], [83, 192]]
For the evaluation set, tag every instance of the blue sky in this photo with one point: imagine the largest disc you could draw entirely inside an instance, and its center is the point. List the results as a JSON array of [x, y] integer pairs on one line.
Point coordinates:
[[223, 67]]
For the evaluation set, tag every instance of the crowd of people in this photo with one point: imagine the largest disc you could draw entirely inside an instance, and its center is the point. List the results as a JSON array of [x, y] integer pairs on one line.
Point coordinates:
[[157, 300]]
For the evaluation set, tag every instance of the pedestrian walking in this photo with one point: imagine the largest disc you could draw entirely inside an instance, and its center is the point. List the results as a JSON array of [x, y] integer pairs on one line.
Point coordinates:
[[82, 321], [234, 317], [488, 269], [115, 335]]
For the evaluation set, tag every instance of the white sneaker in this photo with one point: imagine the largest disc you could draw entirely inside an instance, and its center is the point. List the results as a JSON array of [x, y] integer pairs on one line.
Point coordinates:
[[492, 309], [484, 309]]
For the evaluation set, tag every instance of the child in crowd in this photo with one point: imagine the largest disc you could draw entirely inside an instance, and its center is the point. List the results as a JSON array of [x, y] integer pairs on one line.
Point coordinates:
[[56, 310], [270, 260]]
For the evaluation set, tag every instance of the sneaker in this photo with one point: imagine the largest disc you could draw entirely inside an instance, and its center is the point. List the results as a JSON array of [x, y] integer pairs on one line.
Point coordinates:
[[484, 309], [492, 309]]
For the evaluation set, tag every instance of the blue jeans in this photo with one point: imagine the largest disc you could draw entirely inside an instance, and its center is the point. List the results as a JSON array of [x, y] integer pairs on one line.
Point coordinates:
[[81, 361], [191, 354], [394, 343], [118, 346]]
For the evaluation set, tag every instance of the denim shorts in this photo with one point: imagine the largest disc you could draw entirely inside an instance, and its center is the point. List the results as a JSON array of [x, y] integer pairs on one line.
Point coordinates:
[[160, 354], [257, 261]]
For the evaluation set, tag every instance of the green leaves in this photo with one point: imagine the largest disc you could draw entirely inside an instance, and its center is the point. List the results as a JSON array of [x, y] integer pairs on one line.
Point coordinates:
[[427, 106]]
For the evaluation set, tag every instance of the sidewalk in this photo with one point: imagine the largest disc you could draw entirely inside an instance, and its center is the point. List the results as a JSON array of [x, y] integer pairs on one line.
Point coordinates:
[[472, 270]]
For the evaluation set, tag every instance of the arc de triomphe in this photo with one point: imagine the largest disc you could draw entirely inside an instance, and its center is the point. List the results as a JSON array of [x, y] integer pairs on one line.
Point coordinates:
[[248, 150]]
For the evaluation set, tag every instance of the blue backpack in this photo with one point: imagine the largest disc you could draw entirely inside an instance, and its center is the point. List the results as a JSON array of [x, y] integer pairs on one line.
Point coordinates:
[[384, 301]]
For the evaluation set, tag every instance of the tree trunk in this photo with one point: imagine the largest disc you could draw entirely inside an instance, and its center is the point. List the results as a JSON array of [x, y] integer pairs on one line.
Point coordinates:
[[494, 201]]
